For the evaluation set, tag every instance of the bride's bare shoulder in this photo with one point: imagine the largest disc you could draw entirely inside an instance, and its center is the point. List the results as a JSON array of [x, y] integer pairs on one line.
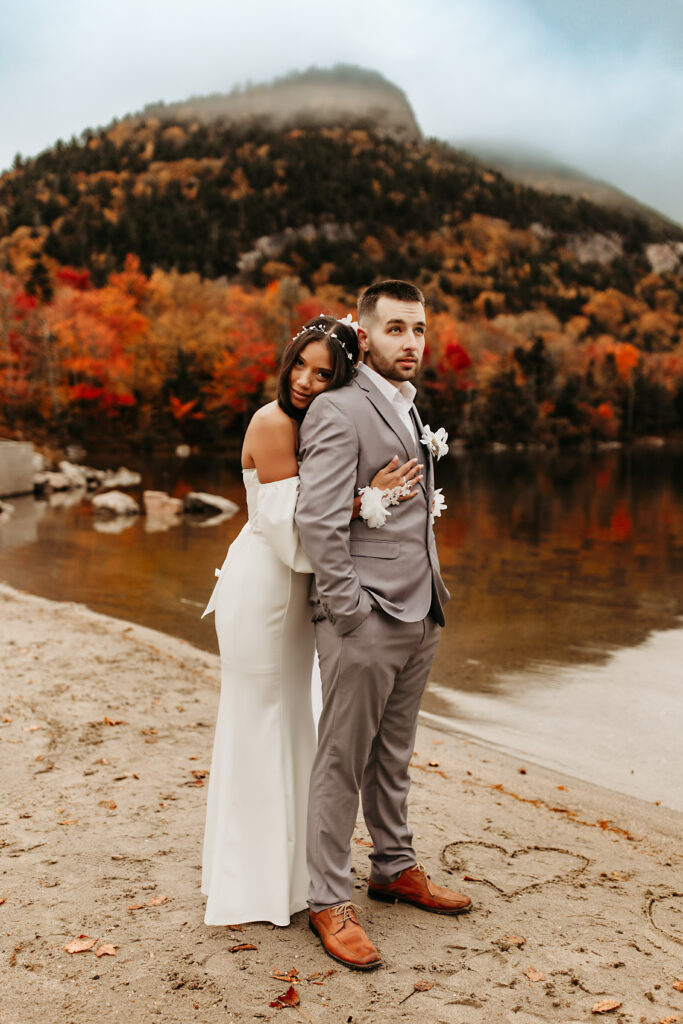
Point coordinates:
[[271, 420], [270, 444]]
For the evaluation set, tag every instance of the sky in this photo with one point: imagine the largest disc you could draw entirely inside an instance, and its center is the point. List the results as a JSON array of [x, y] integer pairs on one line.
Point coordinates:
[[596, 84]]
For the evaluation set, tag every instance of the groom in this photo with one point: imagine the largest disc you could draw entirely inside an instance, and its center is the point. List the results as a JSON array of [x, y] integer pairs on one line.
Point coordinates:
[[377, 599]]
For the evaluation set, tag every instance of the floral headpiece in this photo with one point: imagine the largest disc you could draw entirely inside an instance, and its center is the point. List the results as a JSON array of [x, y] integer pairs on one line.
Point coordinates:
[[324, 329]]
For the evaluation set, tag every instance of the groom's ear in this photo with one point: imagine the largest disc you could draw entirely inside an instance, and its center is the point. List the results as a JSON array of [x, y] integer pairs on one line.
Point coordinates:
[[363, 339]]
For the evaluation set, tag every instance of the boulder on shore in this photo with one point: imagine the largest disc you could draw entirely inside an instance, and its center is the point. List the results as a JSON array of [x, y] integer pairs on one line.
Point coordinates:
[[50, 481], [115, 503], [121, 477], [76, 475], [199, 503]]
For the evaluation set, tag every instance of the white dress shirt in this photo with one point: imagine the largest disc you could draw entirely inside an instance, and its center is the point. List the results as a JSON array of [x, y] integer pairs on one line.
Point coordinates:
[[401, 397]]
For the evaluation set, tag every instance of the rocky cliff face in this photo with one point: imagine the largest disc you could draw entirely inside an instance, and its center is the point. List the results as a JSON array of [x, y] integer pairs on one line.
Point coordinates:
[[304, 99]]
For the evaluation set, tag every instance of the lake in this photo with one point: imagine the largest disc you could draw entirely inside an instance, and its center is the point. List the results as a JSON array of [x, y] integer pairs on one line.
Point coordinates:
[[564, 635]]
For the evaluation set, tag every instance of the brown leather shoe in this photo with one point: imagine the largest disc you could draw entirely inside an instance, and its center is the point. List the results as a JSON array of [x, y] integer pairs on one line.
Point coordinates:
[[415, 886], [343, 938]]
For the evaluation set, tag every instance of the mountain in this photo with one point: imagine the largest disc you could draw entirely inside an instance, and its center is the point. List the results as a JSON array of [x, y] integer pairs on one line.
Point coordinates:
[[325, 177], [542, 171], [151, 270], [319, 96]]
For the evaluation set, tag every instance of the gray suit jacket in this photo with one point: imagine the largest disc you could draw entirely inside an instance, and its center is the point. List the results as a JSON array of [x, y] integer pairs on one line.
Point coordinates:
[[346, 437]]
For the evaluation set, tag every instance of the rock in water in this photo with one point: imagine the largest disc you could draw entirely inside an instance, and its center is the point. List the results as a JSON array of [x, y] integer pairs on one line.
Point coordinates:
[[121, 478], [198, 503], [115, 503], [75, 474], [158, 503], [47, 482]]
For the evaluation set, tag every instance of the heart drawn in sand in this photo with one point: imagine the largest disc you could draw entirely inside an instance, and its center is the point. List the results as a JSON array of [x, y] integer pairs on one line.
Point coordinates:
[[666, 914], [511, 872]]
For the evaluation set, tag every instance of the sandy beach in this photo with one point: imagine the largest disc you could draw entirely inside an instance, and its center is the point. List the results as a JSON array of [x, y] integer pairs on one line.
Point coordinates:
[[106, 731]]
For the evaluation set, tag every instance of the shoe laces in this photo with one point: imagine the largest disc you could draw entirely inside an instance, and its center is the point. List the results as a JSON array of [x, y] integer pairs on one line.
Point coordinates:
[[347, 911], [423, 870]]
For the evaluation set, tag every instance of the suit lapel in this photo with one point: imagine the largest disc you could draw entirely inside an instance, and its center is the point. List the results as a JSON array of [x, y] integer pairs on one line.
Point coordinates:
[[424, 453], [388, 414]]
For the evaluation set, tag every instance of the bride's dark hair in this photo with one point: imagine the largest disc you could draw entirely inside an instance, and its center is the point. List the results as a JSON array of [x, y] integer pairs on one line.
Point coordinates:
[[342, 344]]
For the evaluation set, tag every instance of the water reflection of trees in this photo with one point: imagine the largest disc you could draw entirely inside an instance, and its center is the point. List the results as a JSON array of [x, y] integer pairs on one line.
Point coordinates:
[[557, 559]]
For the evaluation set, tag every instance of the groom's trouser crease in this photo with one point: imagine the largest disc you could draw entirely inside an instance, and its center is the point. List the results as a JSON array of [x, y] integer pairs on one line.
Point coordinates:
[[373, 681]]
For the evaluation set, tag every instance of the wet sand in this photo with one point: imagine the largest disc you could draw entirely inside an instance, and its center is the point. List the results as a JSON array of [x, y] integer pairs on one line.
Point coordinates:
[[105, 740]]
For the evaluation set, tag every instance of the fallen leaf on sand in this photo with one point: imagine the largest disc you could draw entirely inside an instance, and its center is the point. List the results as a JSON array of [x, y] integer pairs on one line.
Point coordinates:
[[35, 727], [508, 941], [311, 977], [471, 878], [606, 1006], [362, 842], [80, 945], [290, 998], [114, 721], [126, 775], [200, 773], [106, 949], [292, 976], [433, 764], [234, 927], [6, 718], [563, 788], [136, 906], [671, 1020], [157, 901], [2, 900], [148, 732], [109, 804], [241, 946], [419, 986], [68, 821], [534, 975], [678, 985]]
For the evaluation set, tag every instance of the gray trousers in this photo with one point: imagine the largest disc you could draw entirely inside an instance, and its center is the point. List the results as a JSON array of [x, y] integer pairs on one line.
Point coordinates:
[[373, 680]]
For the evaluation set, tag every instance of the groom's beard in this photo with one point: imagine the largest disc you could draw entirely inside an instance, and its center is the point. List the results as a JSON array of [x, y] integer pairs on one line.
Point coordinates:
[[392, 369]]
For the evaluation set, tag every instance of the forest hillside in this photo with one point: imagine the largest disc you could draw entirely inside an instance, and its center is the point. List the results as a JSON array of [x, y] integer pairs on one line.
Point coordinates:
[[151, 270]]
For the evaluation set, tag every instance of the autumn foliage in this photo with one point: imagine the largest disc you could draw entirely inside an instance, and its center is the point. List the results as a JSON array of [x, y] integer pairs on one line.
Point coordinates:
[[167, 357]]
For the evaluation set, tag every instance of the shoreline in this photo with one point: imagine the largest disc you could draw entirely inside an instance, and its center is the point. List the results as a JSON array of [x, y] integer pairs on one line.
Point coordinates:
[[105, 741]]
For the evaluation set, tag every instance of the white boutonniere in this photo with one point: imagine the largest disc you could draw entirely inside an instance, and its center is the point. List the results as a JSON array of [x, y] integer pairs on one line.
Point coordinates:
[[438, 504], [435, 441]]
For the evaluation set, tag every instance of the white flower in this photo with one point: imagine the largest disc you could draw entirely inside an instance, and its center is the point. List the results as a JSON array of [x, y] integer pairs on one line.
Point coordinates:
[[372, 507], [438, 504], [435, 441], [348, 319]]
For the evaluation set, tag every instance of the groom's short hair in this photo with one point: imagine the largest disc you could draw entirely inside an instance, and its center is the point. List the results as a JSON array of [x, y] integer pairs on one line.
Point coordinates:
[[401, 290]]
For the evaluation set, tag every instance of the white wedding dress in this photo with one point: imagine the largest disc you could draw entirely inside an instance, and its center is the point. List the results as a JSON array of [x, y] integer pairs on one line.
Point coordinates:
[[254, 862]]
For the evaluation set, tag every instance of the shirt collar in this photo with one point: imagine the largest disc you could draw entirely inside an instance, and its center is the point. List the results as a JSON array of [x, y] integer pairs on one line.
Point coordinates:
[[404, 394]]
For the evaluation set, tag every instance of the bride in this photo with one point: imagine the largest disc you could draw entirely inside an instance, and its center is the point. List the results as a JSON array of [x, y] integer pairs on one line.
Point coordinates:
[[254, 861]]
